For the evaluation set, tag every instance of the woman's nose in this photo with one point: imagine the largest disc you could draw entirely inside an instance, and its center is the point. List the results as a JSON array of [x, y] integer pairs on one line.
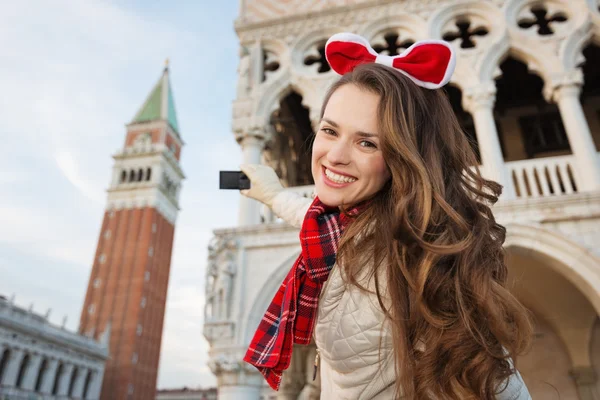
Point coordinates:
[[339, 153]]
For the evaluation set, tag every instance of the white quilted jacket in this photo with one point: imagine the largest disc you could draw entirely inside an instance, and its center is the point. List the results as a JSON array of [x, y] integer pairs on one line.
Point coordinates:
[[353, 339]]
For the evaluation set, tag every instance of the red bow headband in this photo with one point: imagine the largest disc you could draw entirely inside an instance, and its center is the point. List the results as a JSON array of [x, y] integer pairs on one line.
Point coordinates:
[[428, 63]]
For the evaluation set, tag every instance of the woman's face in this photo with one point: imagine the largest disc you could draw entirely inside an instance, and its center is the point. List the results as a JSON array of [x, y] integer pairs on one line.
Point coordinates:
[[347, 163]]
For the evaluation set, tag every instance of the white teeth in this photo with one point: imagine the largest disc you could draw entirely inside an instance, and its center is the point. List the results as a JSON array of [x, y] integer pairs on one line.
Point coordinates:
[[338, 178]]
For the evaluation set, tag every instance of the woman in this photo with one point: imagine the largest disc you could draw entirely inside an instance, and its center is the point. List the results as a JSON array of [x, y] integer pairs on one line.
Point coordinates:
[[402, 272]]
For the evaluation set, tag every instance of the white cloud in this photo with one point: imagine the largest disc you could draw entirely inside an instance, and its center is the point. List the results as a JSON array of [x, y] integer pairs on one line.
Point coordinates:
[[73, 72]]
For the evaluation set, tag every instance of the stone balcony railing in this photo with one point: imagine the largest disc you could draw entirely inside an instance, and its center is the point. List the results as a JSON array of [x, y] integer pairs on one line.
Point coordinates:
[[542, 177]]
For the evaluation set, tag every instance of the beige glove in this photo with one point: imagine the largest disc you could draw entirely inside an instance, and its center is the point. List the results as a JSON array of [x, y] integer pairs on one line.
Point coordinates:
[[264, 183]]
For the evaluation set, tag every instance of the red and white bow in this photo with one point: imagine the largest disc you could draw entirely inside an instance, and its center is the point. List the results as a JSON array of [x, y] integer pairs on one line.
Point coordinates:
[[428, 63]]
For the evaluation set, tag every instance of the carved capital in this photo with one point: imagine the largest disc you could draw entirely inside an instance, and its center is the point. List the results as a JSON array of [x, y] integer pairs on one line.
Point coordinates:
[[252, 134], [483, 96], [221, 331], [224, 363], [568, 83]]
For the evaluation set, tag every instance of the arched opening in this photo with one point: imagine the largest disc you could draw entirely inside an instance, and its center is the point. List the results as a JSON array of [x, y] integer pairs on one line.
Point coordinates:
[[86, 385], [57, 378], [72, 381], [148, 174], [41, 374], [3, 362], [590, 96], [530, 126], [564, 323], [464, 118], [132, 176], [289, 153], [22, 370], [123, 176], [140, 175]]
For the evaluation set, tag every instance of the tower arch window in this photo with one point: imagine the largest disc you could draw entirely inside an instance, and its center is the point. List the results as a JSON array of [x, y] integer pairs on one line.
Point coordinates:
[[147, 276], [151, 251], [131, 176], [148, 173], [140, 175], [123, 176], [139, 330]]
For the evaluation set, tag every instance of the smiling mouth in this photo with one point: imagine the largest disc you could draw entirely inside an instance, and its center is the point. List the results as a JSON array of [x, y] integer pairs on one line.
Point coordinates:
[[337, 178]]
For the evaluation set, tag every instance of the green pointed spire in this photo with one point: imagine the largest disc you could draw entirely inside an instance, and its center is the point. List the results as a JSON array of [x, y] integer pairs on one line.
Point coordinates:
[[160, 104]]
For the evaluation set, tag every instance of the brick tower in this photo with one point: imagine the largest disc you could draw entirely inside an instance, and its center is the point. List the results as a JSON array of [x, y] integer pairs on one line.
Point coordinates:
[[127, 289]]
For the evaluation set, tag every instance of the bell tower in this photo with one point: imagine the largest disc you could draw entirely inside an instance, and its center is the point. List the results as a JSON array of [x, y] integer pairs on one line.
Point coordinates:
[[127, 288]]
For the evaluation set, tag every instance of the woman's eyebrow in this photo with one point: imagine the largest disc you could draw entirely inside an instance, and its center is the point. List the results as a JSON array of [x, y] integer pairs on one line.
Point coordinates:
[[359, 133], [330, 122]]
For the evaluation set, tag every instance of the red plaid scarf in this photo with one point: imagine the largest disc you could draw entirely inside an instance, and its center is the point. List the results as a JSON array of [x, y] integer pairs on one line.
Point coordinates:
[[291, 316]]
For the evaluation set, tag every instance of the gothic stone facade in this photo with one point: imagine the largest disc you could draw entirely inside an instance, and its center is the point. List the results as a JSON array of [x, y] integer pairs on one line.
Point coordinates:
[[526, 89]]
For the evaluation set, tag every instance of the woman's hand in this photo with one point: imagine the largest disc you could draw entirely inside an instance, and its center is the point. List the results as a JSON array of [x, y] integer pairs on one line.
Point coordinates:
[[264, 183]]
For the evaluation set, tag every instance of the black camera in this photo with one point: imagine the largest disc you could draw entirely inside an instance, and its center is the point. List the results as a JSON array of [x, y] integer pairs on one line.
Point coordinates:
[[233, 180]]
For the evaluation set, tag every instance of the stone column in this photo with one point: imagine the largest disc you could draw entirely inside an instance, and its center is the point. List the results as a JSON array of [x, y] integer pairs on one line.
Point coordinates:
[[35, 361], [565, 93], [48, 381], [9, 377], [585, 380], [95, 385], [79, 383], [252, 142], [65, 380], [236, 380], [480, 103]]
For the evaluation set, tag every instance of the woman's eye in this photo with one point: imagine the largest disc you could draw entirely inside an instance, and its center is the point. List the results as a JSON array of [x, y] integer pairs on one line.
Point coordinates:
[[328, 131], [366, 143]]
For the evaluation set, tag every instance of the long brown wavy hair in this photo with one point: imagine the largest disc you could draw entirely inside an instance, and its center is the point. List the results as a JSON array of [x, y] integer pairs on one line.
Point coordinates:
[[456, 327]]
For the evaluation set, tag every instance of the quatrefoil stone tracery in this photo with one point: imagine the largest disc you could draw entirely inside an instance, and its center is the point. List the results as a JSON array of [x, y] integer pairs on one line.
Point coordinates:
[[466, 30], [391, 43], [544, 18]]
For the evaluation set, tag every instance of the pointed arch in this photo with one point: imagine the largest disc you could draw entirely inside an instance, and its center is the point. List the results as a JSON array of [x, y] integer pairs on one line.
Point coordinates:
[[265, 295], [576, 263]]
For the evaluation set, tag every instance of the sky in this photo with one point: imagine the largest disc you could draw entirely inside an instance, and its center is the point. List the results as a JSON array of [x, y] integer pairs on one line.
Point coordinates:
[[72, 74]]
